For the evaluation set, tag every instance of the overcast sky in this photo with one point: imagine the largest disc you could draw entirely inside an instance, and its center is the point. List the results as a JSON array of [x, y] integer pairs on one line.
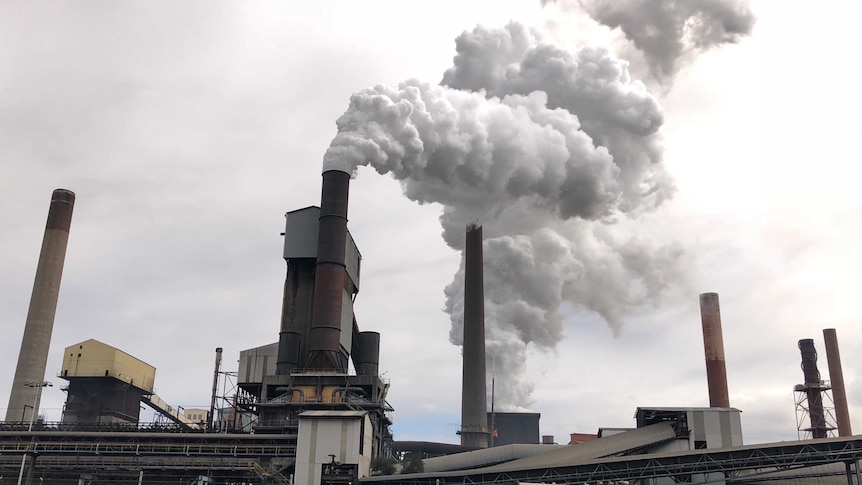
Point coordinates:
[[188, 130]]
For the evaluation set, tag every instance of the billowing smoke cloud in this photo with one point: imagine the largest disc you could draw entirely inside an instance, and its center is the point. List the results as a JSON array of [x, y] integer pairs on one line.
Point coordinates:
[[546, 149], [669, 32]]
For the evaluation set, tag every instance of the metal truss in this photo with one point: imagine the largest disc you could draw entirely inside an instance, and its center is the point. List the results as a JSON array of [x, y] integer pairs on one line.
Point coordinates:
[[803, 416]]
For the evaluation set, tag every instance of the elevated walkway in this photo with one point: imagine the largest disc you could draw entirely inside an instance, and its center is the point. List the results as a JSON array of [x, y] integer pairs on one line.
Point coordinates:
[[163, 408]]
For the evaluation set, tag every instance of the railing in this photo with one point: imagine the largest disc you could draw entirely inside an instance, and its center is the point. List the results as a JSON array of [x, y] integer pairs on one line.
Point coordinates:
[[100, 427], [264, 473], [164, 448]]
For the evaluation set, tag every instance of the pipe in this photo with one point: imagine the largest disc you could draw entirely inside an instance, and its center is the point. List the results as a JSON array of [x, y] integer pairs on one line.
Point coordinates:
[[215, 389], [474, 408], [288, 352], [33, 356], [836, 376], [324, 337], [813, 388], [343, 392], [296, 311], [713, 348]]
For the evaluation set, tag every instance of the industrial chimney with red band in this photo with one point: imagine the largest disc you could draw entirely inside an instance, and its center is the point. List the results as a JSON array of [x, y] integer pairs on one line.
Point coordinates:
[[33, 356]]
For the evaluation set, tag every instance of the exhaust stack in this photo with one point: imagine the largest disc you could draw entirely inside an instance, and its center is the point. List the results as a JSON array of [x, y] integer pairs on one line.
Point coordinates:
[[836, 375], [211, 417], [33, 355], [474, 412], [324, 347], [713, 347], [813, 388]]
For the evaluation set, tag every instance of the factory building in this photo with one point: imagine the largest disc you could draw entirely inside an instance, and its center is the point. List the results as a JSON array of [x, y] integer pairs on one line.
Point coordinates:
[[106, 385], [305, 376], [311, 407]]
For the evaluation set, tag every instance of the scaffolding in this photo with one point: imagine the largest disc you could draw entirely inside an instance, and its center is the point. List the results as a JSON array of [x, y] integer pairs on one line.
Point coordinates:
[[806, 423]]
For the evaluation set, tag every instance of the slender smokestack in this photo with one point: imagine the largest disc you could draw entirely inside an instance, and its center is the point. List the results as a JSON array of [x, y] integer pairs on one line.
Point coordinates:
[[813, 388], [836, 376], [713, 348], [474, 412], [43, 306], [211, 417], [324, 338]]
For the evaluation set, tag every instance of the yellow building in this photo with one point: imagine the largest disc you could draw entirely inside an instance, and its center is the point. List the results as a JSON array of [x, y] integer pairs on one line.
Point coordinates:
[[92, 358], [105, 384]]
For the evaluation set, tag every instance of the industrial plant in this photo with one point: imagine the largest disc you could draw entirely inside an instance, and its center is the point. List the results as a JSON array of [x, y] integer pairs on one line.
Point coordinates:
[[310, 405]]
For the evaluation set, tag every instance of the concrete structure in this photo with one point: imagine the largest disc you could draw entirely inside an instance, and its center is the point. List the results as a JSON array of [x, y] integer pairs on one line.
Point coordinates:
[[474, 407], [106, 385], [836, 377], [33, 356], [333, 447], [713, 347]]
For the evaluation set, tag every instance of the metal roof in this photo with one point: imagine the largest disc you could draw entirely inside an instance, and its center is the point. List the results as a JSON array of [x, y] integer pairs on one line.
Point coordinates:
[[598, 448], [485, 457], [562, 455], [730, 460]]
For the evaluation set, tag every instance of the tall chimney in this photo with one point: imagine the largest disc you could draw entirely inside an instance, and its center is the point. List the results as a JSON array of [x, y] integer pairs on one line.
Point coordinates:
[[713, 347], [836, 375], [33, 355], [813, 388], [324, 338], [474, 412]]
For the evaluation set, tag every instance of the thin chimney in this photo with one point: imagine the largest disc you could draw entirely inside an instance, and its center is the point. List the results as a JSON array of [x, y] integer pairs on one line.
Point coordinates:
[[474, 412], [836, 376], [713, 347]]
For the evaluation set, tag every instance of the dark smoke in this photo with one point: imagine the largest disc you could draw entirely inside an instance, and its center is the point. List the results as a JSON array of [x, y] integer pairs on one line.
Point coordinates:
[[670, 32], [546, 149]]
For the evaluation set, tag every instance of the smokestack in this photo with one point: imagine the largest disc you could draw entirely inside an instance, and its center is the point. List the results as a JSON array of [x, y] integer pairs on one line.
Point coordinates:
[[33, 355], [713, 348], [474, 412], [211, 417], [836, 376], [813, 388], [324, 338]]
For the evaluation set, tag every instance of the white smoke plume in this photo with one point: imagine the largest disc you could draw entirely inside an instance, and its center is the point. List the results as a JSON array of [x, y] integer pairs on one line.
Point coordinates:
[[670, 32], [546, 149]]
